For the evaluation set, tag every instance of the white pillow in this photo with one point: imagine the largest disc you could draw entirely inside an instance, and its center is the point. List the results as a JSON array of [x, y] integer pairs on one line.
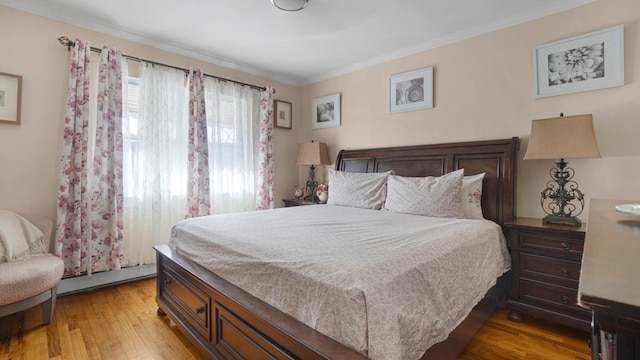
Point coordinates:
[[3, 252], [361, 190], [428, 196], [471, 196], [18, 236]]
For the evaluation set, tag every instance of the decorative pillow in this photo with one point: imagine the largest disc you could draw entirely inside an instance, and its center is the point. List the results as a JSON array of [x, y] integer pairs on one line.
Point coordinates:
[[471, 196], [361, 190], [19, 238], [428, 196]]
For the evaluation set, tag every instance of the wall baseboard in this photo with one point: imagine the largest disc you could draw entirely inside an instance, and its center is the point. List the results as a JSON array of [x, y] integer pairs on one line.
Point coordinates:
[[77, 284]]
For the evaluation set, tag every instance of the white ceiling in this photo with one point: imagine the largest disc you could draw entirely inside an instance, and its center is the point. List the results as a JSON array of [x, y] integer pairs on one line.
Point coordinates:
[[328, 38]]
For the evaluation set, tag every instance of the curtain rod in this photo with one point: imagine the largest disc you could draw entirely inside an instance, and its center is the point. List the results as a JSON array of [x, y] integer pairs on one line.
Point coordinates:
[[65, 41]]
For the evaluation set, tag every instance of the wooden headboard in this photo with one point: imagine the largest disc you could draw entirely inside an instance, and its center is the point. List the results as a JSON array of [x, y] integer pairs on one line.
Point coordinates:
[[496, 158]]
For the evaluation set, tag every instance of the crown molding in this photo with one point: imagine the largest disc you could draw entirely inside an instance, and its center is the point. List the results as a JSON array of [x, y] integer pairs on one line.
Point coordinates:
[[54, 14]]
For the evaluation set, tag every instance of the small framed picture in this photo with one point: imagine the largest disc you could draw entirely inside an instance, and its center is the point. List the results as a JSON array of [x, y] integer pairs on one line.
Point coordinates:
[[412, 90], [582, 63], [282, 111], [325, 112], [10, 98]]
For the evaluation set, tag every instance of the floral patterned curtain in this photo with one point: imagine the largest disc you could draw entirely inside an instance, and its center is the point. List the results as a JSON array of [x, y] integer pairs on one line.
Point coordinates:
[[198, 164], [98, 227], [89, 225], [264, 198], [71, 235], [105, 212]]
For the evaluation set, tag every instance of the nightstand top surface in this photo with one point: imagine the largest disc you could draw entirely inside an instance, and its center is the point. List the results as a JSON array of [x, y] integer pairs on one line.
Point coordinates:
[[536, 224], [299, 202]]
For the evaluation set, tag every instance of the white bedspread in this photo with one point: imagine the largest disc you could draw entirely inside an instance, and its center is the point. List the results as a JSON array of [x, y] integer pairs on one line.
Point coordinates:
[[388, 285]]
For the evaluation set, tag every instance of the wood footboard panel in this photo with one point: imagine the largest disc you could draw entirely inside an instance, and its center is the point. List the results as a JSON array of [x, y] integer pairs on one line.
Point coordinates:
[[225, 322]]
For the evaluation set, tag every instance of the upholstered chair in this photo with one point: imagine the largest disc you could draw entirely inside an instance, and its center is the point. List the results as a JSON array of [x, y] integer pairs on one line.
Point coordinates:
[[33, 280]]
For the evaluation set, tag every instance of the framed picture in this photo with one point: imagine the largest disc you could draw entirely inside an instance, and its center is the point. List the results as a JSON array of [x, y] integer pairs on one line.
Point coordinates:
[[10, 98], [325, 112], [282, 111], [582, 63], [412, 90]]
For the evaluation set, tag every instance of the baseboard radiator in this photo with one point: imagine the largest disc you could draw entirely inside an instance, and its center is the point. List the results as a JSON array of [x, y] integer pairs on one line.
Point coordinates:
[[83, 283]]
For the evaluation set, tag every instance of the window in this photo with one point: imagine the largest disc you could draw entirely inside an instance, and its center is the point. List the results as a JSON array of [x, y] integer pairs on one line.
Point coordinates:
[[130, 135]]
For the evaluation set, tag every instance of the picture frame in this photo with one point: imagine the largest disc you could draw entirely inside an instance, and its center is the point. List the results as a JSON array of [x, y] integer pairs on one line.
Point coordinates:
[[282, 111], [10, 98], [325, 112], [586, 62], [411, 90]]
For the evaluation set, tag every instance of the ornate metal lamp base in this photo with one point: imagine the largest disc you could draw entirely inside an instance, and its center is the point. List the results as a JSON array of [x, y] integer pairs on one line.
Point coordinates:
[[311, 198], [564, 220], [561, 199], [312, 184]]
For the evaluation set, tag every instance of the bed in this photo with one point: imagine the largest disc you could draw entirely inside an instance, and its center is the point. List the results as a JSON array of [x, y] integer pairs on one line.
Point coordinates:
[[226, 322]]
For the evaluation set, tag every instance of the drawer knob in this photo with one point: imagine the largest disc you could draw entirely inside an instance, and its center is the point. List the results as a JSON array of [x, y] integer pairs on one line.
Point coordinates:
[[565, 299], [200, 310], [565, 272], [566, 246]]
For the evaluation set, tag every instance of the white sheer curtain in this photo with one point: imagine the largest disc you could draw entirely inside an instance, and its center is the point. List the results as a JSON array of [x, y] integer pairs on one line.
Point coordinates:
[[233, 123], [156, 143], [155, 179]]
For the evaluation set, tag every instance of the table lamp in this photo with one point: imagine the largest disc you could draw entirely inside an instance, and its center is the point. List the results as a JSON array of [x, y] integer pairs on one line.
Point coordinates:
[[562, 138], [313, 153]]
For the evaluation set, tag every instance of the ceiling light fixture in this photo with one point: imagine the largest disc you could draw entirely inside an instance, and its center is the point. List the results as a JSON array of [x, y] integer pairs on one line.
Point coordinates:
[[290, 5]]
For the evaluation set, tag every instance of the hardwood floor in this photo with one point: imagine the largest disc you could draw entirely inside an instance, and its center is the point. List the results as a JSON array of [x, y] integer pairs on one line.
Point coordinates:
[[112, 323], [534, 338], [121, 323]]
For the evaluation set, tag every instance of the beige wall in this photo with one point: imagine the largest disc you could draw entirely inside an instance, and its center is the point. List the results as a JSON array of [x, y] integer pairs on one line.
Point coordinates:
[[30, 153], [483, 90]]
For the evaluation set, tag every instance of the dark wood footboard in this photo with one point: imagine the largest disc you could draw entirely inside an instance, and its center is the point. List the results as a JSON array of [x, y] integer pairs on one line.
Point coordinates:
[[225, 322]]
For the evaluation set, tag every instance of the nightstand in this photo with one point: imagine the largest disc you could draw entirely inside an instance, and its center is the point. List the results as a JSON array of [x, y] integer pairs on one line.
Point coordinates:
[[546, 261], [296, 202]]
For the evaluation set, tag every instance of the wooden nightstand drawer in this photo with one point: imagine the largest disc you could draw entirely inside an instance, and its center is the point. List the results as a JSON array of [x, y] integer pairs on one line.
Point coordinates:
[[563, 272], [559, 245], [546, 261], [559, 297]]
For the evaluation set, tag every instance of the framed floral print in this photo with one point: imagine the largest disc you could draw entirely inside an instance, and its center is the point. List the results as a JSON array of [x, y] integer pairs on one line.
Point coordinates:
[[582, 63], [412, 90], [10, 98], [325, 112]]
